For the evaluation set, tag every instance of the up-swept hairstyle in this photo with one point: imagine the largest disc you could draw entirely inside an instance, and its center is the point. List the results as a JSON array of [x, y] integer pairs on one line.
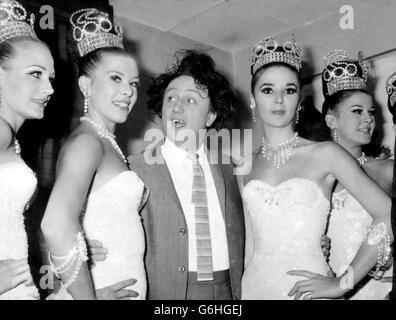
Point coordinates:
[[8, 48]]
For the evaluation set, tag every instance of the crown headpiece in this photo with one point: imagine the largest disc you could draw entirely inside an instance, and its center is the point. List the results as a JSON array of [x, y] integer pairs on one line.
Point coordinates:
[[344, 73], [14, 21], [269, 51], [391, 89], [92, 30], [391, 84]]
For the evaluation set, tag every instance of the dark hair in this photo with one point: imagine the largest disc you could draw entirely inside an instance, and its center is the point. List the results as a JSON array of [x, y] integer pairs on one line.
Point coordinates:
[[8, 50], [90, 61], [201, 67], [260, 71], [331, 103]]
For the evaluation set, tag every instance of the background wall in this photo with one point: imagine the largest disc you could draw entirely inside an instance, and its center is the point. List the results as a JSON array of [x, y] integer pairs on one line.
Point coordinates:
[[155, 51], [228, 30]]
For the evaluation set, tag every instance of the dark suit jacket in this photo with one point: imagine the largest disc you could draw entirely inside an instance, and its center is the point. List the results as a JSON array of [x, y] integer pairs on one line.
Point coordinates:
[[166, 258]]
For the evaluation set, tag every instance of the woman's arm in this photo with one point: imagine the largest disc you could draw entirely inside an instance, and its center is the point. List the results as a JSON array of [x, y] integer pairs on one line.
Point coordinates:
[[383, 175], [378, 205], [76, 168], [376, 202]]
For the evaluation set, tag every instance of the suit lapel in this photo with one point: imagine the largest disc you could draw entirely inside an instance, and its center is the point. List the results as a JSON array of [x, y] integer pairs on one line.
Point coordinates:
[[165, 178]]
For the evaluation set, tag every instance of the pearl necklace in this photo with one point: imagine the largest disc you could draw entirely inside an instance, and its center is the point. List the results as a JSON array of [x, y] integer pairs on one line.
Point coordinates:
[[104, 133], [279, 153], [362, 159]]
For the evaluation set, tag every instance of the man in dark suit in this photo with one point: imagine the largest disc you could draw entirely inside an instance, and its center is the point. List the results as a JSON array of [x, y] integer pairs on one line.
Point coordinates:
[[193, 218]]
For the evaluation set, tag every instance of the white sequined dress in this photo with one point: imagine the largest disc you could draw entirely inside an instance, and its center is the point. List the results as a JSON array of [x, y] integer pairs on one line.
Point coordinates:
[[112, 217], [17, 185], [287, 221], [348, 226]]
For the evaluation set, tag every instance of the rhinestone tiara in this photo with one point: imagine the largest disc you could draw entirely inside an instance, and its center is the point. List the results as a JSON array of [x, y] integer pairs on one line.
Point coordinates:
[[92, 30], [344, 73], [14, 21], [391, 90], [391, 84], [268, 51]]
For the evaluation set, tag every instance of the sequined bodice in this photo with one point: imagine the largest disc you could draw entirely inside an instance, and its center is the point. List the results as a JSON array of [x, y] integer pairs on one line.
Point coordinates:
[[348, 226], [17, 185], [288, 222], [297, 211], [112, 217]]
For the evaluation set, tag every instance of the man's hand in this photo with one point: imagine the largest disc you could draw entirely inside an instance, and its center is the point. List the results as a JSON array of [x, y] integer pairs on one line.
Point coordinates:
[[117, 291], [96, 251], [325, 244], [14, 272]]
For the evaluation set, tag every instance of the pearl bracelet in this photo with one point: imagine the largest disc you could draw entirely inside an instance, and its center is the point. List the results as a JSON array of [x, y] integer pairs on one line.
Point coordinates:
[[78, 252], [378, 235]]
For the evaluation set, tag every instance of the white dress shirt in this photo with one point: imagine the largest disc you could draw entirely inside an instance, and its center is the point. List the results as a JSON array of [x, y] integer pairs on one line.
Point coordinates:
[[181, 170]]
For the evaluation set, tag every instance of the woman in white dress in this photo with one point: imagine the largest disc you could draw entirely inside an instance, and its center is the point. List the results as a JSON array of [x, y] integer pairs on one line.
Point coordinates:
[[92, 169], [350, 114], [26, 73], [286, 192]]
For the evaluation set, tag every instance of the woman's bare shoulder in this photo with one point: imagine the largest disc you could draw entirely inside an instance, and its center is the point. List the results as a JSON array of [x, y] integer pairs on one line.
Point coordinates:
[[82, 149]]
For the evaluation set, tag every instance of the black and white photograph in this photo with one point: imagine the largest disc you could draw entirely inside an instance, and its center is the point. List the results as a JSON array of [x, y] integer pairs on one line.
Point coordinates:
[[211, 151]]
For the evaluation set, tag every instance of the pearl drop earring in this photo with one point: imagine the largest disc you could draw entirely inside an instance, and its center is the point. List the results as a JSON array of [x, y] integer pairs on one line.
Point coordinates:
[[298, 113], [86, 103], [253, 113], [334, 135]]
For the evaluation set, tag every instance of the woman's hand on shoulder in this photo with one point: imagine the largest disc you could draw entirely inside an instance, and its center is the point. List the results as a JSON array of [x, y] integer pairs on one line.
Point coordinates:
[[243, 165]]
